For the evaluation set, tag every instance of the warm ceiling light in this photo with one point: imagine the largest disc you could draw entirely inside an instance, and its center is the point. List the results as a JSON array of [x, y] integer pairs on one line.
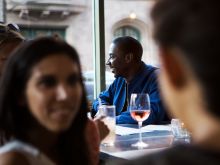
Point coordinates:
[[132, 15]]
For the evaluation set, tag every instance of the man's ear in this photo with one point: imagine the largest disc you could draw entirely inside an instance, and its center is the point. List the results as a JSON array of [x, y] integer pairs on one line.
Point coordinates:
[[174, 67], [129, 57]]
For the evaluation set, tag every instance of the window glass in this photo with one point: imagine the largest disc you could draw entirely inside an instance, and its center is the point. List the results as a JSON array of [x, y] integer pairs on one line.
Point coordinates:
[[72, 21], [68, 19], [33, 32], [128, 31], [131, 18], [2, 11]]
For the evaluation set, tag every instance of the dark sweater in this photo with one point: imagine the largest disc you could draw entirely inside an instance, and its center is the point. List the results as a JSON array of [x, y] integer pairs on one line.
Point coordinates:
[[181, 154]]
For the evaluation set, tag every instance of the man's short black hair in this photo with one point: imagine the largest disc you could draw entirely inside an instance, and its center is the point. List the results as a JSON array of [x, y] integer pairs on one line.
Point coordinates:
[[129, 45], [193, 26]]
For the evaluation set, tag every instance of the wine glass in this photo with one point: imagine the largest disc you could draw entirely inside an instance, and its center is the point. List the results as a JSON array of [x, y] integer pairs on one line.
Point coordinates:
[[140, 111]]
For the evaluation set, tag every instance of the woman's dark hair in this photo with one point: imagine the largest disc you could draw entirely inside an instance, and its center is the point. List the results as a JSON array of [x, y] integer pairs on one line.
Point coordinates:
[[16, 120], [129, 45], [193, 26]]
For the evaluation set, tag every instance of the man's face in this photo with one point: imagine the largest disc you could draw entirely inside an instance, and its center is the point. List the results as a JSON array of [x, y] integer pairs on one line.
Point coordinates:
[[116, 61]]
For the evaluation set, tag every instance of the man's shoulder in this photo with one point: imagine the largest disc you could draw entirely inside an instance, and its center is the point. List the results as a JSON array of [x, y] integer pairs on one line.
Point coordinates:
[[150, 67], [149, 71], [182, 154], [164, 157]]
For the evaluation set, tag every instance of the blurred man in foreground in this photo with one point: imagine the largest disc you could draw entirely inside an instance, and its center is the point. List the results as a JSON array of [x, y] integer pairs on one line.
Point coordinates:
[[188, 34]]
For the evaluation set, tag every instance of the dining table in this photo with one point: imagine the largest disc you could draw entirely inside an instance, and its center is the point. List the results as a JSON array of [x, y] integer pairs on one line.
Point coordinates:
[[158, 137]]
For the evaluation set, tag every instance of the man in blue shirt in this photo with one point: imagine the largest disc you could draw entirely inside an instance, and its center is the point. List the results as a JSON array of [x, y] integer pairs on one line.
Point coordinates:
[[132, 76]]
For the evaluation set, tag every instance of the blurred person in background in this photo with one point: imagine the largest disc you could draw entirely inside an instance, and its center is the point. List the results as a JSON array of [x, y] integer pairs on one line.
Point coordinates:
[[188, 35], [132, 76], [43, 107], [10, 38]]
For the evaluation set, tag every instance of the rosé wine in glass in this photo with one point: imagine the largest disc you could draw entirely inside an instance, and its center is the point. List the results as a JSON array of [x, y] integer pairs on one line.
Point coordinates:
[[140, 115], [140, 111]]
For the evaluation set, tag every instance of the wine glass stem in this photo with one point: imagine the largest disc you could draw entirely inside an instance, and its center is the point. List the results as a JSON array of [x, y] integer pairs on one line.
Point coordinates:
[[140, 125]]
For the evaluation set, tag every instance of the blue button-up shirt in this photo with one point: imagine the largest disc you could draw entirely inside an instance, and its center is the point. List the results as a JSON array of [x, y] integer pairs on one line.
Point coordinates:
[[144, 82]]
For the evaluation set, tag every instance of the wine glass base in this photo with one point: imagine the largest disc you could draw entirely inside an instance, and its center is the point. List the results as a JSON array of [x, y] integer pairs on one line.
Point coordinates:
[[140, 145]]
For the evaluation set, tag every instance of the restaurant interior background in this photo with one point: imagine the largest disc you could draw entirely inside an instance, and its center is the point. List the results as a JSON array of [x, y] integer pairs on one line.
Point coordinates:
[[88, 25]]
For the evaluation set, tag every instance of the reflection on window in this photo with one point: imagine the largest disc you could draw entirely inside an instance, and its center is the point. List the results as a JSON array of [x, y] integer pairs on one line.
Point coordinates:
[[128, 31]]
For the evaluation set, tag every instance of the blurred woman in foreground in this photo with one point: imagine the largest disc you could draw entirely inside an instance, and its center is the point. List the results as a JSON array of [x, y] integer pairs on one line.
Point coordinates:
[[43, 107]]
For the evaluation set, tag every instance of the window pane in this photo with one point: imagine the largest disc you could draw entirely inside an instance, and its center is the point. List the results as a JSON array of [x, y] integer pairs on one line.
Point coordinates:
[[68, 19], [2, 11], [132, 18], [128, 31]]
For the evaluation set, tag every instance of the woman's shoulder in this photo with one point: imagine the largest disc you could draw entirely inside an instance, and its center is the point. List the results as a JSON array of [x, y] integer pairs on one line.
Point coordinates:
[[17, 151], [13, 158], [19, 146], [13, 152]]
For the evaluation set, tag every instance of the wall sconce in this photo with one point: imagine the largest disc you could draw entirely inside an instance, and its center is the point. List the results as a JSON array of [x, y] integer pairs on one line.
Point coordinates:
[[132, 15]]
